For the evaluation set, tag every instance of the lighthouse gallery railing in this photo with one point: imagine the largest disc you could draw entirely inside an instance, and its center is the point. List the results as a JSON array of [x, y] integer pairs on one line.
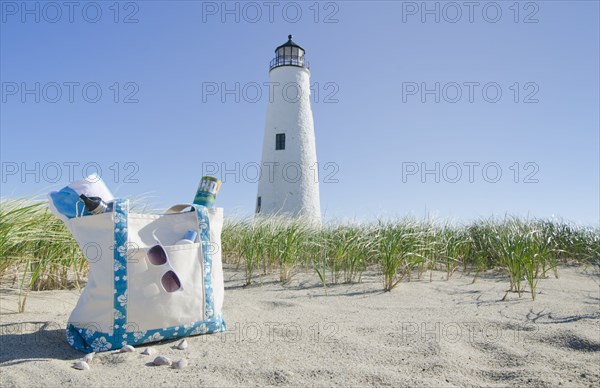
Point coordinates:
[[289, 60]]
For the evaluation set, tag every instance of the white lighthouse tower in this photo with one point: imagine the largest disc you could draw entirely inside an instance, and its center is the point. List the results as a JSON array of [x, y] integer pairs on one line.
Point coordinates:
[[289, 182]]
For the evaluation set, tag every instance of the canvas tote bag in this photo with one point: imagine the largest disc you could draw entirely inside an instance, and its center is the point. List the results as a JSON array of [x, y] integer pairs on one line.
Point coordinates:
[[124, 301]]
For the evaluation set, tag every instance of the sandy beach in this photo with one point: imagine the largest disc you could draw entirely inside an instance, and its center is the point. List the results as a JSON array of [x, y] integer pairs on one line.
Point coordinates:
[[439, 333]]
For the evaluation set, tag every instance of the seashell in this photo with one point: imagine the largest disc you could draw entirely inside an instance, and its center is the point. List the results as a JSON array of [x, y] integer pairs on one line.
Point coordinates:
[[182, 345], [161, 360], [180, 364], [149, 351], [88, 357], [127, 348], [81, 365]]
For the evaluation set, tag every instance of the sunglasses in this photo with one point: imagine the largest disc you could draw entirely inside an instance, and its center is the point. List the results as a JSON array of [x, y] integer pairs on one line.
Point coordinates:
[[158, 256]]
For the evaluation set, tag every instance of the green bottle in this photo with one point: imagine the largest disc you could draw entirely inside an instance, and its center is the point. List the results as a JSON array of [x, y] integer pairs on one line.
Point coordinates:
[[207, 191]]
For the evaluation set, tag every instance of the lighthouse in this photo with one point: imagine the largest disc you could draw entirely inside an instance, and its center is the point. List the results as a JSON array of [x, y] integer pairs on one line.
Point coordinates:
[[289, 181]]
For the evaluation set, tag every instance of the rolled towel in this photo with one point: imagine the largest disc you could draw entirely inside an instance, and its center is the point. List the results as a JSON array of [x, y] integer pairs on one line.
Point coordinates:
[[66, 204]]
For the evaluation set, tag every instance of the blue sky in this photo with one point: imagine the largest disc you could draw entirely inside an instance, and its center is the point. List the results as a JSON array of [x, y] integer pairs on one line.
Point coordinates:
[[375, 132]]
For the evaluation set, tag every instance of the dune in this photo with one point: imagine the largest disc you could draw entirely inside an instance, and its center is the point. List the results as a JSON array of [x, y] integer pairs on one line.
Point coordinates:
[[439, 333]]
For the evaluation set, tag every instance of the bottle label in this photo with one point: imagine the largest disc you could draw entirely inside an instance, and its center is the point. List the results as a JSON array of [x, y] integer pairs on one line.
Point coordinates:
[[207, 191], [209, 185]]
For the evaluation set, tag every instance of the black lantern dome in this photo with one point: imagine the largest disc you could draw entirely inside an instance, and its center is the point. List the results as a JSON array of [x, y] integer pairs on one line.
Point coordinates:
[[289, 54]]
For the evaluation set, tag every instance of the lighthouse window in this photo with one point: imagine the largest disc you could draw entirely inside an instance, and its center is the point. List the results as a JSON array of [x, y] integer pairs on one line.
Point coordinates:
[[258, 203], [280, 141]]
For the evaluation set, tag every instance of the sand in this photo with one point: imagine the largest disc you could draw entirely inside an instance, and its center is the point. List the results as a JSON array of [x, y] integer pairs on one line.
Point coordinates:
[[440, 333]]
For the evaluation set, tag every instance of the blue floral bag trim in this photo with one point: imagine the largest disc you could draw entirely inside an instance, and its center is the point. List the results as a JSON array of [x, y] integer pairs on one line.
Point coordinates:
[[88, 338], [121, 212]]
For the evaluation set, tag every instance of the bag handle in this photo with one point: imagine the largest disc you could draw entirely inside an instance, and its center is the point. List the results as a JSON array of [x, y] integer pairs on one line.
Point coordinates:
[[180, 207], [121, 239]]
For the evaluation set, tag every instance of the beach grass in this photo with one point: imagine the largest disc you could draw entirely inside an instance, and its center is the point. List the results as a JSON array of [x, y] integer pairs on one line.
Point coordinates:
[[38, 253]]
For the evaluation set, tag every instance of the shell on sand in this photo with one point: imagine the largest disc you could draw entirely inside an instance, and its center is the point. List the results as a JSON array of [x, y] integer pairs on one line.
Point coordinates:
[[161, 360], [88, 357], [127, 348], [180, 364], [81, 365], [182, 345], [149, 351]]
